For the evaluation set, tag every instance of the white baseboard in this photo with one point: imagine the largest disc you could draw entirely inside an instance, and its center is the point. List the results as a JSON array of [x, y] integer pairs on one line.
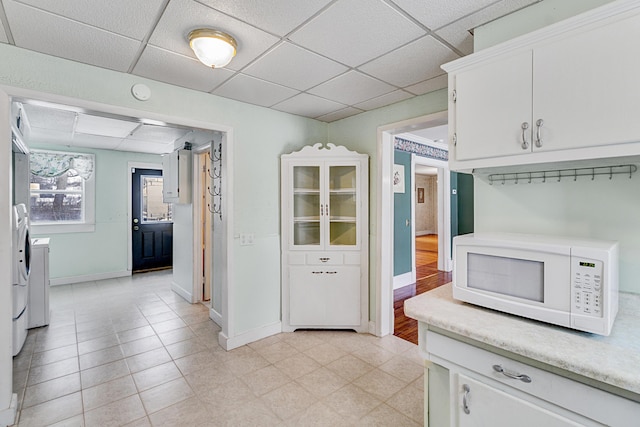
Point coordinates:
[[249, 336], [88, 278], [372, 327], [403, 280], [180, 291], [216, 317], [424, 233], [8, 415]]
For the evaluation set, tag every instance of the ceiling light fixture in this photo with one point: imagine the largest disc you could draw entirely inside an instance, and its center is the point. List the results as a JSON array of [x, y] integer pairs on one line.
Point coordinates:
[[213, 48]]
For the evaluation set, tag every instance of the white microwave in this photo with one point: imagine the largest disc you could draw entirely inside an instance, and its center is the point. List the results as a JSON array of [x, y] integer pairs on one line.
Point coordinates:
[[563, 281]]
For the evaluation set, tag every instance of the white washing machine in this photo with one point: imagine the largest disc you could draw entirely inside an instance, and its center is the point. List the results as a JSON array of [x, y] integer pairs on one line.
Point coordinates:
[[21, 249]]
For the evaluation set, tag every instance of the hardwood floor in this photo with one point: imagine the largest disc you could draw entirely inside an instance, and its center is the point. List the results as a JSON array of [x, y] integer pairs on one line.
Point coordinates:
[[427, 277]]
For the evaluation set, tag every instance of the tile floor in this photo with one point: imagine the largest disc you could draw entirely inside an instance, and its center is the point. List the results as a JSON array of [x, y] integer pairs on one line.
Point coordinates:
[[131, 352]]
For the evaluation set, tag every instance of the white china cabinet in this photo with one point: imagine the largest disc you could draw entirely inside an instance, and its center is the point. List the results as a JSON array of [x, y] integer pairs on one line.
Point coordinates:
[[324, 195]]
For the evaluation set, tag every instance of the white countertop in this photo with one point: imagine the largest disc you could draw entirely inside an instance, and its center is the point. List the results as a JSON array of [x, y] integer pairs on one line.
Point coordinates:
[[613, 360]]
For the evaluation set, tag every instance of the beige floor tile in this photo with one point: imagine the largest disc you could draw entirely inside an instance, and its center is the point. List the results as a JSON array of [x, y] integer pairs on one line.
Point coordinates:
[[189, 412], [302, 340], [350, 367], [265, 379], [51, 389], [185, 348], [98, 344], [325, 353], [373, 354], [289, 400], [100, 357], [223, 399], [162, 316], [108, 392], [168, 325], [51, 342], [209, 378], [52, 370], [402, 368], [395, 345], [197, 362], [116, 413], [266, 342], [409, 401], [380, 384], [103, 373], [245, 363], [321, 382], [165, 395], [352, 402], [147, 360], [135, 334], [419, 383], [141, 345], [156, 376], [319, 415], [77, 421], [141, 422], [101, 331], [52, 411], [194, 318], [277, 351], [55, 355], [125, 325], [255, 414], [384, 416], [297, 365], [176, 335]]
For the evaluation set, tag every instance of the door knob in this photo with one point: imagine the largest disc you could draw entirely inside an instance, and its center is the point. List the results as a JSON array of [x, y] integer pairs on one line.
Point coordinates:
[[136, 228], [135, 220], [408, 222]]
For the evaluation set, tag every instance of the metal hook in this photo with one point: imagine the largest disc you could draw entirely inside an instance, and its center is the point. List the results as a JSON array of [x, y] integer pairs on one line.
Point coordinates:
[[490, 179], [593, 174], [610, 172], [502, 179], [630, 171], [559, 176], [529, 177], [544, 176], [575, 175], [516, 178]]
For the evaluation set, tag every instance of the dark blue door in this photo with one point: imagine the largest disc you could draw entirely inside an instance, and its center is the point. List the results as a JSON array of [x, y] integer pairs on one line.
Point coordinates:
[[152, 222]]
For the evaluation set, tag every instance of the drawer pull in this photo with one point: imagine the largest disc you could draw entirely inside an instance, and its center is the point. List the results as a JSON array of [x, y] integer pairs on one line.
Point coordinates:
[[324, 259], [465, 398], [317, 272], [513, 375], [332, 272]]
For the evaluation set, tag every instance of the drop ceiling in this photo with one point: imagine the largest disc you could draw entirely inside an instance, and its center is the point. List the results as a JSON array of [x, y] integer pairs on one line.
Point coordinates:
[[323, 59]]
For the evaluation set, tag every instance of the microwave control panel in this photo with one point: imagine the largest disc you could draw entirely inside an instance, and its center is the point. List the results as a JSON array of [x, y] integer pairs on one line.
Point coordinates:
[[586, 289]]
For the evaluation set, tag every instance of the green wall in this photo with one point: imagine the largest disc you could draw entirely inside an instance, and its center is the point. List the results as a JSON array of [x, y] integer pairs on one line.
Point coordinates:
[[104, 250], [402, 235]]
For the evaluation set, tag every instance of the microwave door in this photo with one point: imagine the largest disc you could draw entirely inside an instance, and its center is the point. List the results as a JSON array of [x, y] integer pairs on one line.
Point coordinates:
[[511, 277]]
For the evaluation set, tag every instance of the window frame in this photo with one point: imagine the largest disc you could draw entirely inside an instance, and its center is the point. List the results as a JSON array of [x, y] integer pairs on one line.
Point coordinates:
[[88, 199]]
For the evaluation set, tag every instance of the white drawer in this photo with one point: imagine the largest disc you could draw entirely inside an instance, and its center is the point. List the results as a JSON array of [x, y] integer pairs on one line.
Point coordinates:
[[588, 401], [325, 259]]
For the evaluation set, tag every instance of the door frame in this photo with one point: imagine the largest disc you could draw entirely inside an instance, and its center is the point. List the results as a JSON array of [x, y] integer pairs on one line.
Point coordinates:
[[198, 219], [384, 320], [226, 258]]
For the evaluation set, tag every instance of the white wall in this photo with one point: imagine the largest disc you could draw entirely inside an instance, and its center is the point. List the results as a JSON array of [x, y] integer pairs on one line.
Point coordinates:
[[427, 212]]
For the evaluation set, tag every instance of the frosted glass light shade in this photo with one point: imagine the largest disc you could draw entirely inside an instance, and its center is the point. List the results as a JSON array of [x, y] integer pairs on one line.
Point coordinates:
[[213, 48]]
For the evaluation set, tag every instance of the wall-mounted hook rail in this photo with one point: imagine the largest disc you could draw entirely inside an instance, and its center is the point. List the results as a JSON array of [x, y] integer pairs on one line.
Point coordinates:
[[215, 173], [541, 176]]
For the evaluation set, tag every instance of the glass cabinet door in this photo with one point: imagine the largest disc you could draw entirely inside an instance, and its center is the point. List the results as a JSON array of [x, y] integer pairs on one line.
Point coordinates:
[[306, 205], [343, 205]]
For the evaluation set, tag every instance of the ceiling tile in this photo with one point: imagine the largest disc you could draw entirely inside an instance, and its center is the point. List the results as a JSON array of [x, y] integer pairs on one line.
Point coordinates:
[[144, 146], [183, 16], [308, 106], [3, 34], [438, 13], [159, 64], [69, 39], [254, 91], [413, 63], [458, 33], [276, 16], [94, 141], [351, 88], [49, 118], [430, 85], [129, 18], [104, 126], [386, 99], [158, 134], [356, 31], [295, 67], [339, 115]]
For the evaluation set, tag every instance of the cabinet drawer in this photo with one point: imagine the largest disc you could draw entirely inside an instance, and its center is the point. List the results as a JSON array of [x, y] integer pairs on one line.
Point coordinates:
[[325, 259], [588, 401]]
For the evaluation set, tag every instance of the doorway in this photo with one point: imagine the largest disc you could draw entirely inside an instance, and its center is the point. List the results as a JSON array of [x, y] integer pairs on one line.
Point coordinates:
[[151, 223]]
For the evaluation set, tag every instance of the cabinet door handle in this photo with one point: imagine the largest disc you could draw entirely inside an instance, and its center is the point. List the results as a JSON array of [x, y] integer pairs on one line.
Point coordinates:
[[321, 210], [332, 272], [316, 272], [515, 376], [539, 124], [465, 398], [525, 143], [326, 209]]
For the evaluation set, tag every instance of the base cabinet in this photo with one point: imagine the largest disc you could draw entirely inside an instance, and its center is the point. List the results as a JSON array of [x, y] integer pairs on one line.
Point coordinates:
[[469, 386]]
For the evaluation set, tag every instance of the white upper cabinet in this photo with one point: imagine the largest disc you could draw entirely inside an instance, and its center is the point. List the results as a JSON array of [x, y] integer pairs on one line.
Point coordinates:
[[568, 92]]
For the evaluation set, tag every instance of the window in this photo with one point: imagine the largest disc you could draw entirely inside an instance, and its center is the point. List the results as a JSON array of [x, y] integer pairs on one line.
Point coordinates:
[[154, 209], [62, 188]]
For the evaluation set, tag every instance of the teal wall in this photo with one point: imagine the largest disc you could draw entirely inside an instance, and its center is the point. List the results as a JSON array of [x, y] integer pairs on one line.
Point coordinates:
[[105, 249], [601, 209], [402, 235]]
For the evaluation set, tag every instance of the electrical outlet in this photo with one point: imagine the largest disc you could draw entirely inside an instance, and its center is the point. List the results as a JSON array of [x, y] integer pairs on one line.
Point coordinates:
[[247, 239]]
